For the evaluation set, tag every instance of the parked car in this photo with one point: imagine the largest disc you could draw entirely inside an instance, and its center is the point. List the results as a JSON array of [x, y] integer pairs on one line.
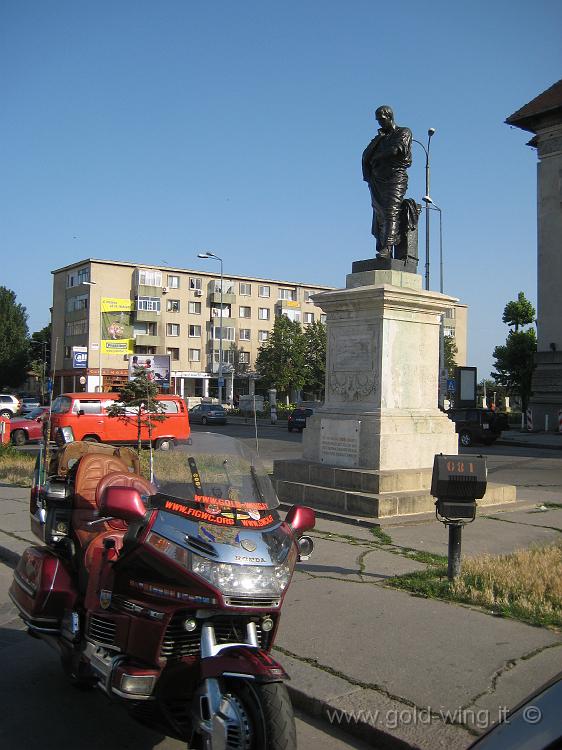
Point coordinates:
[[9, 405], [297, 419], [28, 427], [29, 403], [207, 414], [477, 425]]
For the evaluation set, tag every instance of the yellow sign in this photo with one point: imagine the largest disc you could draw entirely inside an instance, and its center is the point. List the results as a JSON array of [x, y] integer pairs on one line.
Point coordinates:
[[291, 303], [116, 325]]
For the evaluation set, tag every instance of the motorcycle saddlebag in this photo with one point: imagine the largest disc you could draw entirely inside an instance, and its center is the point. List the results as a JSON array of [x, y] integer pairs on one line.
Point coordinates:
[[42, 589]]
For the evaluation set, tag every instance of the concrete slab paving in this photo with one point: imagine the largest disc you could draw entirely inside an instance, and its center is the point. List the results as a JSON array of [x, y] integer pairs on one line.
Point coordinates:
[[484, 536], [334, 559], [380, 565], [546, 518], [419, 649]]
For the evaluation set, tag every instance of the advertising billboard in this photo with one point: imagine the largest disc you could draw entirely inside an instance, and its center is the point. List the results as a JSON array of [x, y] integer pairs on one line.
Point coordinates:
[[157, 367], [79, 357], [116, 325]]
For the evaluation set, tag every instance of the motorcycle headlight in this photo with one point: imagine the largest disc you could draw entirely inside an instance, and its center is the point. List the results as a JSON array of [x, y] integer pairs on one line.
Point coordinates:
[[244, 580]]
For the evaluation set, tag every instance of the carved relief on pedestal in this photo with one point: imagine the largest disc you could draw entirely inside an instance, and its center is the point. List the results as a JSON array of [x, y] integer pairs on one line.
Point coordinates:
[[351, 363]]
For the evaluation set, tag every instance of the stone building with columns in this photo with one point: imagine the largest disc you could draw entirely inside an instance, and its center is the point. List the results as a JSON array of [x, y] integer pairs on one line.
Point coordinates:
[[543, 117]]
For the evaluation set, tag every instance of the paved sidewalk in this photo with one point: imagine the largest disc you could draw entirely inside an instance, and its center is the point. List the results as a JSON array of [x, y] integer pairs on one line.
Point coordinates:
[[519, 437], [396, 670]]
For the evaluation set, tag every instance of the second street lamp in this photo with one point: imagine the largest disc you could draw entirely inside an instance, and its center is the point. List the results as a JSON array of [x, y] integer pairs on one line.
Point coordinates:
[[220, 384], [430, 133]]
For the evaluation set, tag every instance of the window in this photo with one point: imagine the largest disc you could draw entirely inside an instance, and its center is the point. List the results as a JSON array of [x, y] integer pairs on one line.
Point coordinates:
[[264, 291], [144, 329], [194, 282], [77, 303], [294, 315], [173, 282], [450, 313], [194, 308], [227, 333], [82, 275], [216, 311], [227, 357], [173, 353], [145, 349], [194, 355], [194, 331], [149, 277], [67, 352], [245, 312], [309, 317], [173, 329], [245, 289], [288, 294], [448, 331], [148, 304], [76, 327], [323, 318], [244, 334], [170, 407], [77, 276], [88, 407], [263, 313], [173, 305], [244, 358], [307, 295], [263, 335]]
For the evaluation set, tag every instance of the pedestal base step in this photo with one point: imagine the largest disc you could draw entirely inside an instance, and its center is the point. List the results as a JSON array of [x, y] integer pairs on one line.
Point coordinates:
[[381, 505]]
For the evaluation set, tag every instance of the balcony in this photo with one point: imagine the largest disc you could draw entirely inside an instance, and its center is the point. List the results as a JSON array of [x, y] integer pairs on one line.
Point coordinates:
[[145, 339], [147, 316], [227, 298]]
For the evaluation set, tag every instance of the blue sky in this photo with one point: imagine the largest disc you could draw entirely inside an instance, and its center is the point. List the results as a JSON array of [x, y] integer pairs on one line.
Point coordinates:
[[148, 131]]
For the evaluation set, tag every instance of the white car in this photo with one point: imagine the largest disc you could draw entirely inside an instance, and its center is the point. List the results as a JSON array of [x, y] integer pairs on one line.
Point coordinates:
[[9, 405]]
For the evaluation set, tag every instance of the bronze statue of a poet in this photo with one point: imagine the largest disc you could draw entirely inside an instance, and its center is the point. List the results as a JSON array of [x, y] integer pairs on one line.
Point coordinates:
[[385, 161]]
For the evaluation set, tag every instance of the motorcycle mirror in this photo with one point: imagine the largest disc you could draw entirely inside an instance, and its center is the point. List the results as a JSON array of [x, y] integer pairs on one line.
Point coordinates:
[[124, 503], [306, 545], [301, 519]]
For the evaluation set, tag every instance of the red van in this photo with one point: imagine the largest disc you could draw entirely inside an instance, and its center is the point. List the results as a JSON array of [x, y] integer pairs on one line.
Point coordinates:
[[87, 414]]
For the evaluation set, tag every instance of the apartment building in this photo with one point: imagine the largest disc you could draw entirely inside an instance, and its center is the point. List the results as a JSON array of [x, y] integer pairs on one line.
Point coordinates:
[[166, 311], [455, 324]]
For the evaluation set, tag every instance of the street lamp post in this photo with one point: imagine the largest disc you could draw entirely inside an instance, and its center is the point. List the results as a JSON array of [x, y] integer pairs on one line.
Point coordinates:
[[208, 254], [100, 386], [430, 134], [430, 204]]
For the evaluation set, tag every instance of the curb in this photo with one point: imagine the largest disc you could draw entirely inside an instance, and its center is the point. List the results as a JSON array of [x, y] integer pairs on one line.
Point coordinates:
[[529, 444], [9, 557]]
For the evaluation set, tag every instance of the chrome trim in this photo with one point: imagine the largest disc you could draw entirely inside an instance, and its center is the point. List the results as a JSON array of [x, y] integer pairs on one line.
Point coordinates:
[[52, 583], [132, 697], [210, 648], [25, 586], [25, 616]]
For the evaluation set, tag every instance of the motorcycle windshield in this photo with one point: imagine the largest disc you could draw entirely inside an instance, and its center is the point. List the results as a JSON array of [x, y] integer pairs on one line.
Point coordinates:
[[215, 478]]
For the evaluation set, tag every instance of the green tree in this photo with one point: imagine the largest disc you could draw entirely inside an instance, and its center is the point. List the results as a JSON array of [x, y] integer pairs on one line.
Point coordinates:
[[519, 312], [451, 352], [14, 359], [40, 355], [137, 400], [515, 363], [315, 351], [281, 360]]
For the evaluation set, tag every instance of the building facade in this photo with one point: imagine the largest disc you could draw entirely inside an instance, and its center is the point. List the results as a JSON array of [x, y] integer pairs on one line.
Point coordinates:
[[455, 324], [170, 311]]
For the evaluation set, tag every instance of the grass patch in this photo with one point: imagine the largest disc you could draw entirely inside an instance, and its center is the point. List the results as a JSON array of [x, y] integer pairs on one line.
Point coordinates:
[[525, 585], [15, 467], [429, 558], [380, 535], [553, 506]]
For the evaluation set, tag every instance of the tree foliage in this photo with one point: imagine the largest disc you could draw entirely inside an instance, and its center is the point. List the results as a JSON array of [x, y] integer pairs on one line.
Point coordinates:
[[315, 351], [519, 312], [13, 339], [281, 360], [514, 363], [451, 351], [137, 400], [40, 355]]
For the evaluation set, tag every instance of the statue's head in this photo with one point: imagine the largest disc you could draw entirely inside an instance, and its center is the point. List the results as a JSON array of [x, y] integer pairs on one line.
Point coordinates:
[[385, 117]]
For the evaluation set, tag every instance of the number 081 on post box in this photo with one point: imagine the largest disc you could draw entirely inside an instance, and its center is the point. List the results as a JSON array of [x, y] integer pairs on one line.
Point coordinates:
[[457, 482]]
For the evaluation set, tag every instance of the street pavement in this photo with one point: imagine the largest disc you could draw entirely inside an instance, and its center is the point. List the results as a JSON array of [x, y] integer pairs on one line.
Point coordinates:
[[389, 668]]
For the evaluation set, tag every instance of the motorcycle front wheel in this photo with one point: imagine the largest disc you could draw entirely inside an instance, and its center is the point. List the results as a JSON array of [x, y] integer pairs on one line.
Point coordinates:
[[258, 716]]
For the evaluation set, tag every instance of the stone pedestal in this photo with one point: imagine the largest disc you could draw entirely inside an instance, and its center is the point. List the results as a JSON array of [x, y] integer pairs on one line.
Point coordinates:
[[380, 410], [369, 449]]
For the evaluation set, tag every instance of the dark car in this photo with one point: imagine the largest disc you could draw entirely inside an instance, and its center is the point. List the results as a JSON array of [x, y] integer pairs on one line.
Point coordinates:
[[207, 414], [29, 427], [477, 425], [29, 403], [297, 419]]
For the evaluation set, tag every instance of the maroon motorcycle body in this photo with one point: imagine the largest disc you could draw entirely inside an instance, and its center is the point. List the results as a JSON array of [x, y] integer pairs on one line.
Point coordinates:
[[167, 596]]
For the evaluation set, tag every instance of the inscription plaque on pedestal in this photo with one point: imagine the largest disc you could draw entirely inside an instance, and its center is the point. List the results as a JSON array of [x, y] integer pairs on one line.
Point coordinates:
[[339, 442]]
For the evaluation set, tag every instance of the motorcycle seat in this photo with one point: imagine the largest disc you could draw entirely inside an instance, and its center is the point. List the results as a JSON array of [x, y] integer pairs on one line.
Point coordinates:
[[91, 469], [115, 528]]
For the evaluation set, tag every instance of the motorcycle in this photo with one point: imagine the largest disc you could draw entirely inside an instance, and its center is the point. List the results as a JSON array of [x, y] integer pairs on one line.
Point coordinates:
[[167, 595]]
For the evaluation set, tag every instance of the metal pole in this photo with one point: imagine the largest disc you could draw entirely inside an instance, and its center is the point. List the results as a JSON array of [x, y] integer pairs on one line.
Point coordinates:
[[454, 562], [100, 370], [440, 251], [427, 216], [220, 340]]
